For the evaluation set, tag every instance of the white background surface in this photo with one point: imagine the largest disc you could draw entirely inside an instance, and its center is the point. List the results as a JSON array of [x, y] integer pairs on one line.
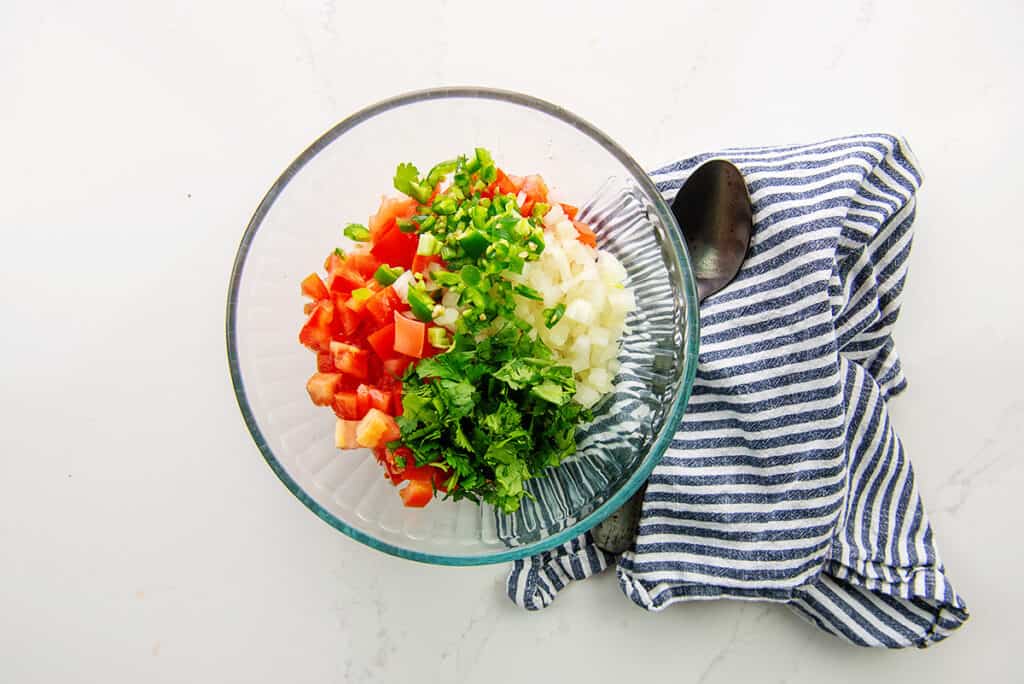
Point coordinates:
[[142, 537]]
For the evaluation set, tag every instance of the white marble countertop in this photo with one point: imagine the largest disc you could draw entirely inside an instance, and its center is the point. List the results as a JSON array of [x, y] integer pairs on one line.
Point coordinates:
[[144, 539]]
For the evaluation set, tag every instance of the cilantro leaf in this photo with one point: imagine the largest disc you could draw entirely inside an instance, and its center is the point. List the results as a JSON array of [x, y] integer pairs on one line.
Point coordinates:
[[407, 181], [517, 374], [549, 391], [458, 397]]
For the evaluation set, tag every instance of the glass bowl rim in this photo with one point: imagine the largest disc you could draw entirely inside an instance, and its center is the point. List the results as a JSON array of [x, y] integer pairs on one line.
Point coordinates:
[[690, 350]]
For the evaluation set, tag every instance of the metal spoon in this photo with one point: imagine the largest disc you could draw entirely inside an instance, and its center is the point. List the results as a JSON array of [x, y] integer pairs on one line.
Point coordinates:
[[713, 210]]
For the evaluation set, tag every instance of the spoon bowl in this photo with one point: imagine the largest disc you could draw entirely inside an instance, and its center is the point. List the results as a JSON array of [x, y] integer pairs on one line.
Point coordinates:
[[713, 210]]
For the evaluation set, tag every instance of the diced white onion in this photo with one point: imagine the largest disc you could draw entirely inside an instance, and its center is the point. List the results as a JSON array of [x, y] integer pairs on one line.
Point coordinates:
[[401, 286], [590, 284]]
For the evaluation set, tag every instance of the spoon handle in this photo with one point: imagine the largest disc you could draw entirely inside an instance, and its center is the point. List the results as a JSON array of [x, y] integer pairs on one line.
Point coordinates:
[[716, 218], [617, 532]]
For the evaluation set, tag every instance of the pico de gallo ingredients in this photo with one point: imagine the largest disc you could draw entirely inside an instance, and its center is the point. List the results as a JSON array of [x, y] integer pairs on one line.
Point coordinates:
[[449, 338]]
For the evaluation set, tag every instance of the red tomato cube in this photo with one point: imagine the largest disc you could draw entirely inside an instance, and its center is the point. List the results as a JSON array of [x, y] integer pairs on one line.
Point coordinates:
[[316, 333], [396, 367], [321, 388], [346, 405], [396, 400], [391, 208], [358, 303], [502, 184], [383, 342], [345, 434], [333, 262], [345, 279], [427, 473], [364, 263], [386, 458], [584, 234], [380, 400], [325, 362], [346, 322], [420, 262], [396, 248], [313, 287], [416, 494], [383, 304], [350, 360], [410, 336], [362, 400]]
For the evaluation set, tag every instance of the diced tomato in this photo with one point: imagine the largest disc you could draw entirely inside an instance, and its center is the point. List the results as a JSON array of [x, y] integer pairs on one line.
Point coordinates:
[[420, 262], [569, 210], [313, 287], [345, 279], [325, 362], [346, 322], [396, 367], [427, 473], [403, 454], [502, 184], [345, 405], [383, 304], [396, 248], [383, 342], [350, 360], [375, 367], [364, 263], [333, 262], [387, 459], [358, 304], [396, 400], [380, 400], [376, 429], [316, 332], [362, 400], [584, 234], [321, 387], [391, 208], [345, 434], [416, 494], [410, 336]]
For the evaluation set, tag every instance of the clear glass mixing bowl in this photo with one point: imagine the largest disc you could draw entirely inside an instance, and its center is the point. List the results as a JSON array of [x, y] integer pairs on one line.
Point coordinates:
[[339, 179]]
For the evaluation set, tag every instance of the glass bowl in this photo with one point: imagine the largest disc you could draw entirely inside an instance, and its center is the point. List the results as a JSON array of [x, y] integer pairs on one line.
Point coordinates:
[[340, 179]]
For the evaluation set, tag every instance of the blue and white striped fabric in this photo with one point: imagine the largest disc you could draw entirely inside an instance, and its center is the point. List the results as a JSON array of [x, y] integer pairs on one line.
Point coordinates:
[[786, 481]]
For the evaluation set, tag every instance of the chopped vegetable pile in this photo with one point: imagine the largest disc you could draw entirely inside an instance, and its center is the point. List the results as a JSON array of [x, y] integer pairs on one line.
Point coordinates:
[[423, 350]]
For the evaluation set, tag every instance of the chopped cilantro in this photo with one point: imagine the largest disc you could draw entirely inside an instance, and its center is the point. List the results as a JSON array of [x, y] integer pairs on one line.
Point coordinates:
[[494, 411]]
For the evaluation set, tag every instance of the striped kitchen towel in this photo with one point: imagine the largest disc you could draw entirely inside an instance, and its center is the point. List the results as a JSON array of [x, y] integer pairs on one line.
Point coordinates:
[[786, 481]]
